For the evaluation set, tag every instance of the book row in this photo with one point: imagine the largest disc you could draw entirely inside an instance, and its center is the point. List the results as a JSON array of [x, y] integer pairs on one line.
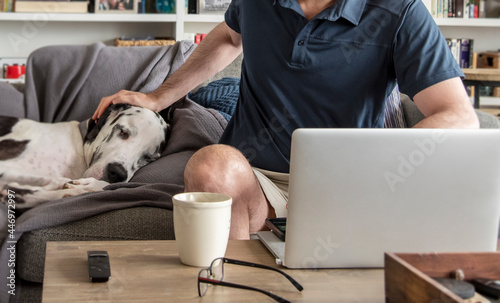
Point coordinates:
[[206, 6], [456, 8], [463, 51], [113, 6]]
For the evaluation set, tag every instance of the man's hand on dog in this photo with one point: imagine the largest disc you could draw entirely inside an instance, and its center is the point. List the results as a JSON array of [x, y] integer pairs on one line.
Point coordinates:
[[149, 101]]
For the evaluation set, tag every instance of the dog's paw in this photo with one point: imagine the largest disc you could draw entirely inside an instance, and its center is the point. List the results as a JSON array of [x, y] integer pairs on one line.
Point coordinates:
[[86, 184], [18, 195], [80, 186], [27, 196]]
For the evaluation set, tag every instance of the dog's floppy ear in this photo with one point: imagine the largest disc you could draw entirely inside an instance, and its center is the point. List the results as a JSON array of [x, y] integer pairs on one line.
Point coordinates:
[[92, 131], [93, 128], [120, 106]]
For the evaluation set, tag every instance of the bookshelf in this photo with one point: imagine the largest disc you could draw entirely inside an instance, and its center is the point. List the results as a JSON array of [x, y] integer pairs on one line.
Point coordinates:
[[31, 31], [484, 31], [460, 22], [22, 33], [91, 17]]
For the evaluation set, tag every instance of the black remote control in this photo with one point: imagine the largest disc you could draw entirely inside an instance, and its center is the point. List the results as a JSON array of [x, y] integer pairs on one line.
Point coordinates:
[[487, 287], [99, 269]]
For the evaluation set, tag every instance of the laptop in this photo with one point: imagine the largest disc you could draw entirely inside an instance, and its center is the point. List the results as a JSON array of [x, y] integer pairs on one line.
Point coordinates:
[[357, 193]]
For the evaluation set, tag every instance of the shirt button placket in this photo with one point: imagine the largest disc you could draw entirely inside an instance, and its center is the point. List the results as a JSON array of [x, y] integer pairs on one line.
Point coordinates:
[[299, 52]]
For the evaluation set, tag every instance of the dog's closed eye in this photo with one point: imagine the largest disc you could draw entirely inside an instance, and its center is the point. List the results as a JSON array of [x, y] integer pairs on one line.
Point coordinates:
[[124, 134]]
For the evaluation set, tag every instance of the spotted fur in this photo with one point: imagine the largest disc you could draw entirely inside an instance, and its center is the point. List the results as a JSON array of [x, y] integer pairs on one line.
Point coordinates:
[[47, 161]]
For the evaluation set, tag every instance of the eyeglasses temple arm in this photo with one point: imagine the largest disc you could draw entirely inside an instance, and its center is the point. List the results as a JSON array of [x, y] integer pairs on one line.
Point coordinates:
[[234, 285], [243, 263]]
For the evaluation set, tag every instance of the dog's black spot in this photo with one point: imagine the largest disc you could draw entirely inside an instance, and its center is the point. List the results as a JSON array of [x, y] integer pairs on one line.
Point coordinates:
[[147, 158], [6, 125], [94, 128], [116, 119], [108, 138], [144, 160], [10, 149], [91, 131], [162, 147], [120, 106], [95, 156]]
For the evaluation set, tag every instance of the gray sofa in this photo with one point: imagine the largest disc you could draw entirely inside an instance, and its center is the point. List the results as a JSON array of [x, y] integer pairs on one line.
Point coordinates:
[[138, 218]]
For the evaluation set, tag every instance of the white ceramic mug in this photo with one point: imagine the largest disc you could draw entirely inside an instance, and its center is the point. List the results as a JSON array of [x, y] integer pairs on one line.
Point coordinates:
[[201, 224]]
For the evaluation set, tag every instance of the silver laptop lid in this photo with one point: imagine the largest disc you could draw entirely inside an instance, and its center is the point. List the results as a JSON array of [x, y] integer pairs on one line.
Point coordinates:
[[357, 193]]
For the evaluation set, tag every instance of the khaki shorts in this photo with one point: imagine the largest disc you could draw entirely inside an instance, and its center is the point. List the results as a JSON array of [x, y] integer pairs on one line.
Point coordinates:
[[275, 187]]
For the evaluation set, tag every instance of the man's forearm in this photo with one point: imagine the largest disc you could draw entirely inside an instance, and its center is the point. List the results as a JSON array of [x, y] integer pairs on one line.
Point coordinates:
[[449, 120], [218, 49]]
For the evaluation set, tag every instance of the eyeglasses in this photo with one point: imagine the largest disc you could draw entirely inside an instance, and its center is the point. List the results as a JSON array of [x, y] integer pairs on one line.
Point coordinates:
[[215, 273]]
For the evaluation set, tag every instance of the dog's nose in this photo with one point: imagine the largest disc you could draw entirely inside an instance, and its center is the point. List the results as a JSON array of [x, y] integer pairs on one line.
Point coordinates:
[[116, 173]]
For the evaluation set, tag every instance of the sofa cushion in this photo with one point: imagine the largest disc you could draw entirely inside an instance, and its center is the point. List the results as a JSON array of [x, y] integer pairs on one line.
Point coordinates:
[[11, 101]]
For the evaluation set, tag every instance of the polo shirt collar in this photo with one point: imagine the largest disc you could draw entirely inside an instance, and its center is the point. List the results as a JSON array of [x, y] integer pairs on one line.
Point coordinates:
[[350, 10]]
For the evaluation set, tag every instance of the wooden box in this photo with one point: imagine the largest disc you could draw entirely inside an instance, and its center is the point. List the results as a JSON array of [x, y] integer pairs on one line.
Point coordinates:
[[156, 42], [490, 60], [496, 92], [408, 276]]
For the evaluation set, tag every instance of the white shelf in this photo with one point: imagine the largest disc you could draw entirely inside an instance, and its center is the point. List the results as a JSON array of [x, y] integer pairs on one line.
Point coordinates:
[[87, 17], [479, 22], [489, 101], [215, 18]]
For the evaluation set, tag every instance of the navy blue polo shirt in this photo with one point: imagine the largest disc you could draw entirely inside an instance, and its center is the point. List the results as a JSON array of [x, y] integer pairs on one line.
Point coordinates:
[[335, 70]]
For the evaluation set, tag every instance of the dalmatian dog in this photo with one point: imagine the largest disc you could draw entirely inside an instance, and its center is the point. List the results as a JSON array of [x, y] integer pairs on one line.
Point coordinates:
[[48, 161]]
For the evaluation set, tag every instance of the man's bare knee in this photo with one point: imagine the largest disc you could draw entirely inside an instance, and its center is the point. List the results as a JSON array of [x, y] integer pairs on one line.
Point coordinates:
[[224, 169], [216, 168]]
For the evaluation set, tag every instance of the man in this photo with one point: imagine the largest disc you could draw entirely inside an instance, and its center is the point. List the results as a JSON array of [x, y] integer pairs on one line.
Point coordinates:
[[308, 63]]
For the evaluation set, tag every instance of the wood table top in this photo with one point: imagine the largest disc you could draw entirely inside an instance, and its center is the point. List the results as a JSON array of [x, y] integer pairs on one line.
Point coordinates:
[[482, 74], [151, 271]]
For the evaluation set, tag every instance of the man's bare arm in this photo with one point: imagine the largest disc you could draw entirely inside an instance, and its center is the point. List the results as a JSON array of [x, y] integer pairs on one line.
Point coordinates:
[[446, 105], [218, 49]]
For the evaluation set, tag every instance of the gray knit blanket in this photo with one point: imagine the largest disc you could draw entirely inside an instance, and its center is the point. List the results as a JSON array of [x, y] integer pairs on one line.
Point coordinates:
[[66, 83]]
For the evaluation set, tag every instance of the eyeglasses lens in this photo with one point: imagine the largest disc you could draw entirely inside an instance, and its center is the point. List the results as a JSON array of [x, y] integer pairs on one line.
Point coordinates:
[[202, 287], [217, 269]]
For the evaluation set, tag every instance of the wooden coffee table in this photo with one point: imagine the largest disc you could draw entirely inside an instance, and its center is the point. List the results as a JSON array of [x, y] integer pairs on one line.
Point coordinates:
[[151, 271], [478, 77]]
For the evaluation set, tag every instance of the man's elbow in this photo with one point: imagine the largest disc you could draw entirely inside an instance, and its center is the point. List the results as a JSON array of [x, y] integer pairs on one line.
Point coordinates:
[[471, 120]]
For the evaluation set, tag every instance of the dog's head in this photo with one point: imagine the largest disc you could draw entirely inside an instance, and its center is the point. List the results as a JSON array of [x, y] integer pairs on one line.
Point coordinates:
[[124, 139]]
